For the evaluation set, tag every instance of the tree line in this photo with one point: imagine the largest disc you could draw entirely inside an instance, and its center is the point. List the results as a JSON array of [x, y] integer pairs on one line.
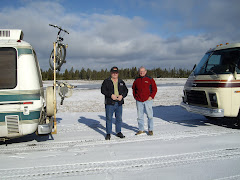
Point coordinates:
[[127, 73]]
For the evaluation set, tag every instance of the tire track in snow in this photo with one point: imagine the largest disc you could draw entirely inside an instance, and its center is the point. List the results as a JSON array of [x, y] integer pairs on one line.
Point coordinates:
[[78, 169], [176, 135], [236, 177]]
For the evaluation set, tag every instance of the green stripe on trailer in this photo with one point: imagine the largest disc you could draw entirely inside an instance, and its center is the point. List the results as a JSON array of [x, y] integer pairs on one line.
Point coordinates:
[[19, 97], [24, 51], [32, 115]]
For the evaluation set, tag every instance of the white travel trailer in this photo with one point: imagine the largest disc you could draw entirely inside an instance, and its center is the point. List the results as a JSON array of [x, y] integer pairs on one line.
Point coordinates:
[[213, 88], [22, 104]]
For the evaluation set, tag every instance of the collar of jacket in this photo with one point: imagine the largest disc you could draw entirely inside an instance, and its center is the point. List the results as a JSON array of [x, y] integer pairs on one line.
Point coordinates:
[[110, 79], [144, 77]]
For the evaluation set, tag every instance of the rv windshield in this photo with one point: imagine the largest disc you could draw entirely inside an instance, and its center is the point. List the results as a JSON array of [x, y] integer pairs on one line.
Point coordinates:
[[219, 62], [8, 68]]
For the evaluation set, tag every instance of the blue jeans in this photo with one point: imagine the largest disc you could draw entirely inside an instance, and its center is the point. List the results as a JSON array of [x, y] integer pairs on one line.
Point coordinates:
[[140, 112], [110, 109]]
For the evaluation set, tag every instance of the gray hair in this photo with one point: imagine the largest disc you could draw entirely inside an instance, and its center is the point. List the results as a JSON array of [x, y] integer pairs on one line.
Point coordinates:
[[142, 67]]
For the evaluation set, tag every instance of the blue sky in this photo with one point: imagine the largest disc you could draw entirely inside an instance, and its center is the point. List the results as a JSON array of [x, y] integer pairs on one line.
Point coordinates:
[[125, 33]]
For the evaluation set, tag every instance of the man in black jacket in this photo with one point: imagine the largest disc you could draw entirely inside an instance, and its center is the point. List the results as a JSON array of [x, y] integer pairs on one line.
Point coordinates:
[[114, 90]]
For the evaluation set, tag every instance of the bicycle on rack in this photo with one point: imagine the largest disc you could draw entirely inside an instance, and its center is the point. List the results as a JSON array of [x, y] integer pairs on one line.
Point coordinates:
[[60, 50]]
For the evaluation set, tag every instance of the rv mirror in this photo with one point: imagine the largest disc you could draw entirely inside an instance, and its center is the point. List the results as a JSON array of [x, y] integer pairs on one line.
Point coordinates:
[[235, 74], [236, 69]]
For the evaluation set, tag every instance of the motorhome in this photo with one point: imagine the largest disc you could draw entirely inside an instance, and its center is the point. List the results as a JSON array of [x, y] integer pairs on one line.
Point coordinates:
[[213, 88], [22, 105]]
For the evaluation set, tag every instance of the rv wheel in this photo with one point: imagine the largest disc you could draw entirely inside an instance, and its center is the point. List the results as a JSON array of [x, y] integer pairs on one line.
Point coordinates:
[[49, 101], [238, 120]]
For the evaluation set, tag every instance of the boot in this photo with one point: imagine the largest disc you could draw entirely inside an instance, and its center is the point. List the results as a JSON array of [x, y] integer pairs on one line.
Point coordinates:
[[108, 137], [139, 132], [120, 135]]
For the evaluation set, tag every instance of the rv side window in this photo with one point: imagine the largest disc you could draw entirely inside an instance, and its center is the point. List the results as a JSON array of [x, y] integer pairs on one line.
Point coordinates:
[[202, 64], [213, 61], [8, 68], [224, 61]]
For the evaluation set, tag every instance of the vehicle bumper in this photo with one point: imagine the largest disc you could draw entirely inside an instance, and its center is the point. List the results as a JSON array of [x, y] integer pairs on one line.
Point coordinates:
[[45, 128], [203, 111]]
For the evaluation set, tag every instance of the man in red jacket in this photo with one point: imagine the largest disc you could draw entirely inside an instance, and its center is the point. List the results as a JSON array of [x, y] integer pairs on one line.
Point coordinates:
[[144, 90]]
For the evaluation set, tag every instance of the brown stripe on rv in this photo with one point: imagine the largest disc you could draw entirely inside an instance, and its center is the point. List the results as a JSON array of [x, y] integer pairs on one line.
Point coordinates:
[[219, 85]]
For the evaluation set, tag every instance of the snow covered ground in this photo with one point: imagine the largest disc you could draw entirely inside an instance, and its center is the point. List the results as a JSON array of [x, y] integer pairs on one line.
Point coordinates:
[[184, 146]]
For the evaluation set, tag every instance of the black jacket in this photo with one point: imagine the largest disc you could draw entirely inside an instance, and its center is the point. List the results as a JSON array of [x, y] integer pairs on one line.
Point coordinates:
[[107, 89]]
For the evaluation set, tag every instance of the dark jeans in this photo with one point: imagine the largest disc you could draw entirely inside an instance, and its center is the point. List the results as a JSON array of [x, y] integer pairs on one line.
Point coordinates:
[[110, 109]]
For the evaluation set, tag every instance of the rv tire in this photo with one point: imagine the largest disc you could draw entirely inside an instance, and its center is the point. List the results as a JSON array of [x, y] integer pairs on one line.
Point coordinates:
[[50, 101]]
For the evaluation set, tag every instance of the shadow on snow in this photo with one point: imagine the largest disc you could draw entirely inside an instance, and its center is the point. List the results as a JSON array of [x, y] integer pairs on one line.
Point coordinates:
[[177, 115], [32, 137], [98, 127]]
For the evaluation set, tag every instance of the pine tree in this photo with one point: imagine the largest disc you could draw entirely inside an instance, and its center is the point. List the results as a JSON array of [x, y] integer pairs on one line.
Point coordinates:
[[71, 73], [123, 73], [89, 74], [66, 75], [77, 74], [50, 74], [83, 74]]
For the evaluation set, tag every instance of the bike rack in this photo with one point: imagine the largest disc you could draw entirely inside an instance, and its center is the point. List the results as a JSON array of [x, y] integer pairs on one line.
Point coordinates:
[[54, 89], [54, 79]]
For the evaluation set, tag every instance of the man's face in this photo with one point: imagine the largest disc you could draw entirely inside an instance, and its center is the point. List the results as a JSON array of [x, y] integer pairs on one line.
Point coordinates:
[[114, 75], [142, 72]]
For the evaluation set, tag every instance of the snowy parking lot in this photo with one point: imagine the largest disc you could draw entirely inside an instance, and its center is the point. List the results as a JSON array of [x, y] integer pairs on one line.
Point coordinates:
[[184, 145]]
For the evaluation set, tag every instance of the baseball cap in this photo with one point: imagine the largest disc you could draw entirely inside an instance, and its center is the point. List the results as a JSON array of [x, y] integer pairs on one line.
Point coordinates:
[[114, 69]]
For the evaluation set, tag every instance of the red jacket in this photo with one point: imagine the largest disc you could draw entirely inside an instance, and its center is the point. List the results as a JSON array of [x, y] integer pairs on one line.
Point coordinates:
[[143, 88]]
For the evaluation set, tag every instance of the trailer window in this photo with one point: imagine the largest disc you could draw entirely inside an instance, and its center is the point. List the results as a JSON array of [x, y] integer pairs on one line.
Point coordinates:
[[8, 68]]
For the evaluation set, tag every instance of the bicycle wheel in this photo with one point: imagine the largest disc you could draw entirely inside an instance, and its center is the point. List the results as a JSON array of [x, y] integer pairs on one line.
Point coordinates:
[[60, 56]]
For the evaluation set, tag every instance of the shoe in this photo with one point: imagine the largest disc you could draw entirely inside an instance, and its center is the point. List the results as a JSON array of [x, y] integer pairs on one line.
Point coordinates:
[[108, 136], [120, 135], [139, 132], [150, 133]]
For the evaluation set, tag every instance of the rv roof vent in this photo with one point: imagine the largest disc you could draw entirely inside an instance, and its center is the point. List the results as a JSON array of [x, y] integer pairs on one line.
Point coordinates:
[[15, 34]]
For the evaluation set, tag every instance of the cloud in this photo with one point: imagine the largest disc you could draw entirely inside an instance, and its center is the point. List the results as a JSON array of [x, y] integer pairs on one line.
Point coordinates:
[[218, 17], [102, 40]]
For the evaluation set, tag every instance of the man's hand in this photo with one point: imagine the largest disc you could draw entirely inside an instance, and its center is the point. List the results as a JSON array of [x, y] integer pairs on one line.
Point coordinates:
[[119, 98], [150, 98], [114, 97]]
